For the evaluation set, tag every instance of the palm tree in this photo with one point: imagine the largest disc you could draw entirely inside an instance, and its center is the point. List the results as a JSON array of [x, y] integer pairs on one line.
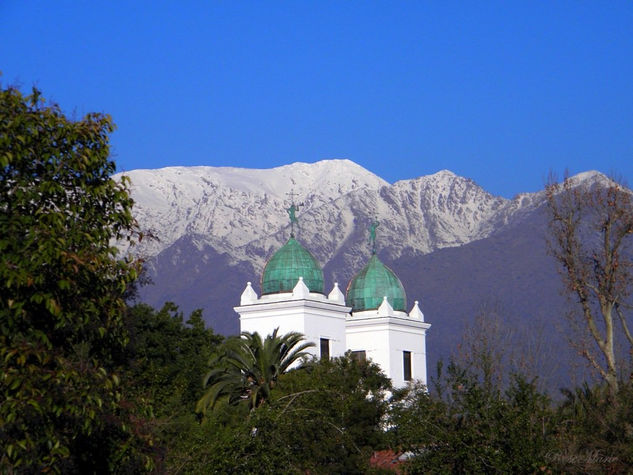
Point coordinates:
[[248, 368]]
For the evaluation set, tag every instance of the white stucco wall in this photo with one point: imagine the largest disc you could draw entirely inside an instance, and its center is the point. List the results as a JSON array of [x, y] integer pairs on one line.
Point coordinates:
[[384, 339], [314, 316]]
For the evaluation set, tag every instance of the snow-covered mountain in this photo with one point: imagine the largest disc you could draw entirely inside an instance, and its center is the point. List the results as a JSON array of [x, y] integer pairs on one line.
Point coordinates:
[[231, 207], [242, 212]]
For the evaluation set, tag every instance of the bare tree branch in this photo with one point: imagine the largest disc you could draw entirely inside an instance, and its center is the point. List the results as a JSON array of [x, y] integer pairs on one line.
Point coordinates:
[[590, 230], [624, 325]]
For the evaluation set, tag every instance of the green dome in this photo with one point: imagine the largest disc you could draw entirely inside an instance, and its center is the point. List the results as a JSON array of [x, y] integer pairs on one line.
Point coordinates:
[[289, 263], [375, 281]]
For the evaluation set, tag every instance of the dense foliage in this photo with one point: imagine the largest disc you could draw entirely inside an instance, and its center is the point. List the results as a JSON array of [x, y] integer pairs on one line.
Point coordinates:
[[166, 357], [468, 426], [325, 417], [61, 305], [596, 429]]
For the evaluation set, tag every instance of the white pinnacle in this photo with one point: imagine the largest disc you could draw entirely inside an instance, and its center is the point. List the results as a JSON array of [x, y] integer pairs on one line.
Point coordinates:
[[249, 296], [336, 295], [385, 309], [301, 290]]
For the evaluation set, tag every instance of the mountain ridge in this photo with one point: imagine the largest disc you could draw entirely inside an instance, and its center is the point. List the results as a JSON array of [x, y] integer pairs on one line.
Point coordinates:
[[422, 214], [243, 212]]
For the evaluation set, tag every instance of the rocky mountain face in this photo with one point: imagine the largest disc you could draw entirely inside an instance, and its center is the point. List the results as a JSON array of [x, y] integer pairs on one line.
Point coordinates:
[[242, 212], [454, 246]]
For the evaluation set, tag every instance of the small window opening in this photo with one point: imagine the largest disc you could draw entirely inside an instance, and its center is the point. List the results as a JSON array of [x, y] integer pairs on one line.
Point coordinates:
[[325, 349], [359, 355], [406, 362]]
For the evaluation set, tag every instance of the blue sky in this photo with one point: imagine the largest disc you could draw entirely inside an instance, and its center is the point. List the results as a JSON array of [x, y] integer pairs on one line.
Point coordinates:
[[500, 92]]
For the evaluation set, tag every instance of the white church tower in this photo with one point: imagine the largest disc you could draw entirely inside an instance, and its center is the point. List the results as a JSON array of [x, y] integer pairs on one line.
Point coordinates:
[[293, 300], [379, 327], [370, 320]]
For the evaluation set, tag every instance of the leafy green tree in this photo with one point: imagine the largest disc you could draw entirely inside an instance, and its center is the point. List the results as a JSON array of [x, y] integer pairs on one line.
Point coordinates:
[[596, 430], [324, 417], [330, 414], [166, 357], [248, 368], [61, 295], [467, 426]]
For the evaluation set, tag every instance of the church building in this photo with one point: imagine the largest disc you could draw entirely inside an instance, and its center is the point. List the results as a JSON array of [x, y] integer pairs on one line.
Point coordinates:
[[370, 319]]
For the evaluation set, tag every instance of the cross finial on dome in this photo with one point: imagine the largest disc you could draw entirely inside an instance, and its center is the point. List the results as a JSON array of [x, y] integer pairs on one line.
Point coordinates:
[[292, 212], [372, 234]]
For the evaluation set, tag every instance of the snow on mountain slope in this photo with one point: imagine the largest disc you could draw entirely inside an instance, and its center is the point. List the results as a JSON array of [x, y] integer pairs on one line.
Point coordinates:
[[242, 212], [416, 217], [233, 206], [453, 210]]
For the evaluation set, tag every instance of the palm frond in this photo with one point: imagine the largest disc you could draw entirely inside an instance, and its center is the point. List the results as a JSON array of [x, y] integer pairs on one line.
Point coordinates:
[[248, 367]]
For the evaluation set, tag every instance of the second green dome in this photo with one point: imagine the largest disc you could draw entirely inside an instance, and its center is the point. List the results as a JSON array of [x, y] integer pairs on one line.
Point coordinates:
[[375, 281], [285, 267]]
